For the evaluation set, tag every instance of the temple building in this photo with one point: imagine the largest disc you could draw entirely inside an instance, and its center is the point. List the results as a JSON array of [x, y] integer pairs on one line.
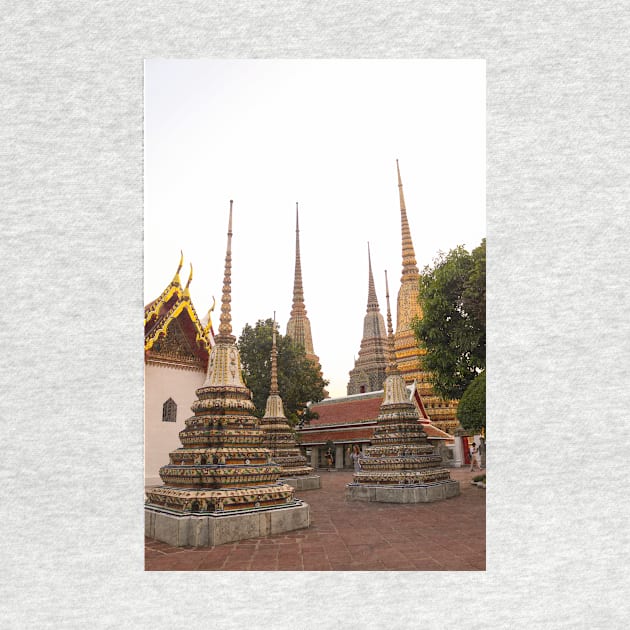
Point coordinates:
[[442, 412], [368, 373], [176, 349], [222, 485], [279, 437], [400, 465], [349, 420], [299, 326]]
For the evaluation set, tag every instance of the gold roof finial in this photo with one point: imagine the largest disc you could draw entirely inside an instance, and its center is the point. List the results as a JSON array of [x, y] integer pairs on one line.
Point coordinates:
[[208, 325], [189, 278], [225, 327], [392, 367], [176, 279], [274, 360], [409, 256]]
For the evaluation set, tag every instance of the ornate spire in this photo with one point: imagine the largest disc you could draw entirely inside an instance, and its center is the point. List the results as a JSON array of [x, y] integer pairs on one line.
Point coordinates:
[[274, 360], [368, 372], [298, 290], [298, 326], [225, 327], [409, 257], [274, 407], [392, 367], [372, 304]]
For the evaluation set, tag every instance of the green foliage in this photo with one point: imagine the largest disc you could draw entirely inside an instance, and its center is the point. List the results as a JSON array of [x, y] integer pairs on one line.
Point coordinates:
[[299, 379], [453, 325], [471, 411]]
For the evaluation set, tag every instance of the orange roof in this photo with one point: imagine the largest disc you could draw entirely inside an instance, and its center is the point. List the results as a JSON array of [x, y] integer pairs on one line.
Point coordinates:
[[348, 409]]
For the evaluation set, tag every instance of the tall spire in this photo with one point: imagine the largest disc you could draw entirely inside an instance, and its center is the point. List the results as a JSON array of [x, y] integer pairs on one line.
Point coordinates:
[[368, 372], [409, 257], [298, 326], [274, 360], [298, 290], [392, 367], [372, 304], [408, 354], [225, 327]]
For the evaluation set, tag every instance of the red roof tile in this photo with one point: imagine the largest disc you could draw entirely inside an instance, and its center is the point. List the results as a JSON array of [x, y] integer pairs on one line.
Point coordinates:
[[346, 410]]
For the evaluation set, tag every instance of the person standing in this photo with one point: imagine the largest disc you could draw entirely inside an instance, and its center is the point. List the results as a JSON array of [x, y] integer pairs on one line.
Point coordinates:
[[474, 457], [355, 456], [329, 459]]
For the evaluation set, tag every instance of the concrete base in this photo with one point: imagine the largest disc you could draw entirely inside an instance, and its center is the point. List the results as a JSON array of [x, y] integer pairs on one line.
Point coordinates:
[[211, 530], [305, 482], [424, 493]]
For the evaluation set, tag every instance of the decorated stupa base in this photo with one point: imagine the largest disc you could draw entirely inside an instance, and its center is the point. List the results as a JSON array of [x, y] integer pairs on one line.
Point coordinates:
[[222, 484]]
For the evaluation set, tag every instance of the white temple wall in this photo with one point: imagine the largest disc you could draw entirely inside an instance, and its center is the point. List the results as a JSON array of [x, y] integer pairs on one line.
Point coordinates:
[[162, 382]]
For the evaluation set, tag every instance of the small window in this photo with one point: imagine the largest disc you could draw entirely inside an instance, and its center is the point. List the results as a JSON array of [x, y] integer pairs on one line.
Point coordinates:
[[169, 411], [362, 389]]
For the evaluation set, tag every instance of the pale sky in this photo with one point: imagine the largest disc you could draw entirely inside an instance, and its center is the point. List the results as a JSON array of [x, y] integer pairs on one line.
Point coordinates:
[[324, 133]]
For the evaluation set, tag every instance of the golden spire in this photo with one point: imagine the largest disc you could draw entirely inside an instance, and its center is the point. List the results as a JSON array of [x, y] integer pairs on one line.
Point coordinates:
[[225, 327], [372, 304], [392, 367], [274, 360], [409, 257], [298, 290]]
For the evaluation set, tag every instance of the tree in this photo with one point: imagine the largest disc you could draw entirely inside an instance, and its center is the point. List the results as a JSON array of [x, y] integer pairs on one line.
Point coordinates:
[[453, 325], [299, 379], [471, 411]]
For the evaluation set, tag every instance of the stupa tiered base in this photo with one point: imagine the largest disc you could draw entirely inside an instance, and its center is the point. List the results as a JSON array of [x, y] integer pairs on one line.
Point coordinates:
[[405, 493], [303, 482], [218, 528]]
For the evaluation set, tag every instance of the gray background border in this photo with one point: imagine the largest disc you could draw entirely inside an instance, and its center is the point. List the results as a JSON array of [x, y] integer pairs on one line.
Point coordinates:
[[72, 371]]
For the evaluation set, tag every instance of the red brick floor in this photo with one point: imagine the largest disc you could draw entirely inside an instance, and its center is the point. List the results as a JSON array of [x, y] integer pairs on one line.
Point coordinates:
[[353, 536]]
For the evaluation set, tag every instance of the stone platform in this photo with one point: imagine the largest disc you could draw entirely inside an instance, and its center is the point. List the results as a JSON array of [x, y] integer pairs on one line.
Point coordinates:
[[420, 493], [192, 530], [305, 482]]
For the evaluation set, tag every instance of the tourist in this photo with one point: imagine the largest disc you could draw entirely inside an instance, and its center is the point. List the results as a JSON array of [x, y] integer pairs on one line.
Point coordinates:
[[474, 457], [482, 452], [329, 458], [355, 455]]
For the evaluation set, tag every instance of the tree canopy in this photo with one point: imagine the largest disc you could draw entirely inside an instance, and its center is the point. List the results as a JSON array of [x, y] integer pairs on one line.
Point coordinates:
[[453, 325], [299, 379], [471, 411]]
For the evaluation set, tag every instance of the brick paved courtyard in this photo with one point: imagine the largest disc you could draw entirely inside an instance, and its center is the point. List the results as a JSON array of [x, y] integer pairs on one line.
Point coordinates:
[[353, 536]]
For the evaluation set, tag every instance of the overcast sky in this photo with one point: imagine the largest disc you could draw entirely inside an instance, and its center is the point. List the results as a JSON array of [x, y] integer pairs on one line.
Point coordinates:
[[324, 133]]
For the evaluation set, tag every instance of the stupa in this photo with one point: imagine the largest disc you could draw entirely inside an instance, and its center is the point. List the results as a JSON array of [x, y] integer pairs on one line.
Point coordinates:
[[400, 466], [222, 485], [408, 354], [368, 373], [279, 437]]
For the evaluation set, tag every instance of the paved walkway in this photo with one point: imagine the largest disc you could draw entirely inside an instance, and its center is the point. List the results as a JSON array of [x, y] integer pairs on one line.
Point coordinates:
[[353, 536]]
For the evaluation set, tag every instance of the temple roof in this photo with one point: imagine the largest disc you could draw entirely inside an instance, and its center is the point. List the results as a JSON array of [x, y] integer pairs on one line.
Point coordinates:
[[173, 332], [359, 408]]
